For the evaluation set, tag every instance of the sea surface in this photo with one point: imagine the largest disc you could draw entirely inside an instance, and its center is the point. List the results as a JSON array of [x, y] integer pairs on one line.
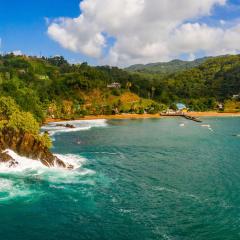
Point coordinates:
[[134, 180]]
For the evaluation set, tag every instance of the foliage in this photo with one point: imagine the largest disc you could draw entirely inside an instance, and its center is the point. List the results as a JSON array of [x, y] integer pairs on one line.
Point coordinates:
[[231, 106], [165, 67], [53, 87], [3, 123], [45, 140], [7, 107], [23, 121], [12, 117]]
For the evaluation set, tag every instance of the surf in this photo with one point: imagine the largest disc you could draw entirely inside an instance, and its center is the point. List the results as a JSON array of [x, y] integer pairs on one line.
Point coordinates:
[[79, 125]]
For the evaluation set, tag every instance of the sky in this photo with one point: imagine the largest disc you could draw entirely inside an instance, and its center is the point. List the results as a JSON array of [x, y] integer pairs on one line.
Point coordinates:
[[120, 32]]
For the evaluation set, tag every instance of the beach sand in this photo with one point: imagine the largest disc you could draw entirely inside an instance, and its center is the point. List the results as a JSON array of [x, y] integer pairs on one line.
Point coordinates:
[[143, 116], [213, 114]]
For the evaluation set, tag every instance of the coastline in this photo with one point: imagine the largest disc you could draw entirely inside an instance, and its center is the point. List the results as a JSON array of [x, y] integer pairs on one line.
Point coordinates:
[[117, 116], [213, 114], [144, 116]]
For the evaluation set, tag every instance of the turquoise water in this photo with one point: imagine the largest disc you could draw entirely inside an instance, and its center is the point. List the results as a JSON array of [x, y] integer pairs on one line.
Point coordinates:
[[138, 179]]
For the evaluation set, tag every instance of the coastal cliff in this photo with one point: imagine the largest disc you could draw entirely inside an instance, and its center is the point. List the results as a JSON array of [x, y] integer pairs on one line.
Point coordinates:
[[20, 132], [27, 145]]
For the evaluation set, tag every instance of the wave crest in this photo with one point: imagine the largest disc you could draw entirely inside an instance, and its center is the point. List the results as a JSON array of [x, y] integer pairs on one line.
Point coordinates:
[[80, 125]]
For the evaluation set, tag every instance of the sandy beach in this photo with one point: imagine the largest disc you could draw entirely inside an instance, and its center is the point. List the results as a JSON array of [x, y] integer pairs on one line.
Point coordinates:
[[145, 116], [212, 114], [117, 116]]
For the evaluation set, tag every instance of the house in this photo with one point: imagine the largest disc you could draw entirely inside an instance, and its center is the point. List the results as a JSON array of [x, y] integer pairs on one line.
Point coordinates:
[[220, 106], [170, 111], [114, 85], [181, 107], [236, 97]]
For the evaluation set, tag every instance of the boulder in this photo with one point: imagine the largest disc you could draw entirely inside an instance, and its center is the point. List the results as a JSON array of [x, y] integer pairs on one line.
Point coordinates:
[[65, 125], [7, 159]]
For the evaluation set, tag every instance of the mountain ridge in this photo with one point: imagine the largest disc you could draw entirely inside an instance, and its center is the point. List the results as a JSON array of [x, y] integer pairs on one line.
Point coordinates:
[[172, 66]]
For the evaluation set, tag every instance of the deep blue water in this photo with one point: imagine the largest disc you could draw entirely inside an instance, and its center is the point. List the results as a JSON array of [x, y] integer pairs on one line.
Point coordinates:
[[140, 179]]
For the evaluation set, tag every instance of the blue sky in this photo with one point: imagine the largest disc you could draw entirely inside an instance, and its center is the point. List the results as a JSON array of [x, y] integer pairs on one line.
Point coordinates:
[[23, 26]]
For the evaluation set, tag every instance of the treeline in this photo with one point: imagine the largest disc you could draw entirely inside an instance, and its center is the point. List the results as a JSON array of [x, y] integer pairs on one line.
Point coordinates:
[[53, 87], [202, 87]]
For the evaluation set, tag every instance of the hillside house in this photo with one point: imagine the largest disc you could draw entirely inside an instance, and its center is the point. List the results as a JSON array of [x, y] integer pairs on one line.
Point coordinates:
[[114, 85], [181, 107], [236, 97]]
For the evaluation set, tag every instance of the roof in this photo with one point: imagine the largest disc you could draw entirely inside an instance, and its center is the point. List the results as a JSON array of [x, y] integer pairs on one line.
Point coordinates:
[[181, 106]]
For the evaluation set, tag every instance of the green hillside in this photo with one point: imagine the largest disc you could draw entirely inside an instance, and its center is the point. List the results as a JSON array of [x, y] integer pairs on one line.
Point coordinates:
[[166, 67], [202, 87], [51, 87]]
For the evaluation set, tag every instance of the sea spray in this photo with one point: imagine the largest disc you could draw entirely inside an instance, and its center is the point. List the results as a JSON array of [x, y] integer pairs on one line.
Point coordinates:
[[10, 189], [79, 125], [27, 166]]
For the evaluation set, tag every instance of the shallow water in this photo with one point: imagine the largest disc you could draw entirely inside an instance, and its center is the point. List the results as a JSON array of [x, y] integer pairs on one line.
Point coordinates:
[[136, 179]]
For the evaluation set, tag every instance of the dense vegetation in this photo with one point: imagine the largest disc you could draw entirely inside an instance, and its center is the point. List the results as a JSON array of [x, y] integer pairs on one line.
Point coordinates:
[[11, 117], [53, 87], [166, 67], [214, 81]]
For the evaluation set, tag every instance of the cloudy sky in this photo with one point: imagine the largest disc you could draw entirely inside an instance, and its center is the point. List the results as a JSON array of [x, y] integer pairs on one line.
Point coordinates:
[[121, 32]]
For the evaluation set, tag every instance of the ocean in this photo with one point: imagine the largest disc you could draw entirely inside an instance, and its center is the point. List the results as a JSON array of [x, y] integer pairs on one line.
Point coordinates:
[[141, 179]]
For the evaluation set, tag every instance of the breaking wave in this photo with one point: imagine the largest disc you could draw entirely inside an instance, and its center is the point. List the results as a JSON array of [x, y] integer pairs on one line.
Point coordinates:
[[79, 125], [9, 189], [22, 181], [29, 167]]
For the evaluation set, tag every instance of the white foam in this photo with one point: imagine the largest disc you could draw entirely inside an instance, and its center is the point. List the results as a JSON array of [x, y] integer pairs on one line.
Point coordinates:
[[24, 163], [80, 125], [208, 126], [36, 168], [9, 190], [5, 185]]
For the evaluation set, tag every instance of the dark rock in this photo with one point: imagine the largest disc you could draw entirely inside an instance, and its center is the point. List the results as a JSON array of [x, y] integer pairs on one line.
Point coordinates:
[[69, 126], [66, 126], [5, 158], [27, 145]]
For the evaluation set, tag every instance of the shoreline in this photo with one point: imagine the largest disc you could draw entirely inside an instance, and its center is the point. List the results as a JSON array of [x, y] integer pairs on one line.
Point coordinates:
[[213, 114], [143, 116], [109, 117]]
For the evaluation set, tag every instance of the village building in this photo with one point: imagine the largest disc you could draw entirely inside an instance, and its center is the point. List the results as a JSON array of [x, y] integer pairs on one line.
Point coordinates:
[[236, 97], [220, 106], [181, 108], [114, 85]]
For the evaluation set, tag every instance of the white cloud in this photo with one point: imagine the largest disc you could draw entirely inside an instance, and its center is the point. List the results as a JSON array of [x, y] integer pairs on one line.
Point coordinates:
[[17, 53], [145, 30]]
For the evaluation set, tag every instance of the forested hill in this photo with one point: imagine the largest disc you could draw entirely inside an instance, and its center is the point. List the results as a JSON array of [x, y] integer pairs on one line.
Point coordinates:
[[51, 87], [166, 67]]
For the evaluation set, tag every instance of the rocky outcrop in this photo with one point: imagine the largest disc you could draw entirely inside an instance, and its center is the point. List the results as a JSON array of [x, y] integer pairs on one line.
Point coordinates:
[[27, 145], [5, 158], [65, 125]]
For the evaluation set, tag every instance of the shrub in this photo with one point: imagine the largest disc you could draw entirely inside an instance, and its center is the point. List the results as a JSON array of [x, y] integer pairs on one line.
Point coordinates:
[[24, 121], [7, 107], [45, 140]]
